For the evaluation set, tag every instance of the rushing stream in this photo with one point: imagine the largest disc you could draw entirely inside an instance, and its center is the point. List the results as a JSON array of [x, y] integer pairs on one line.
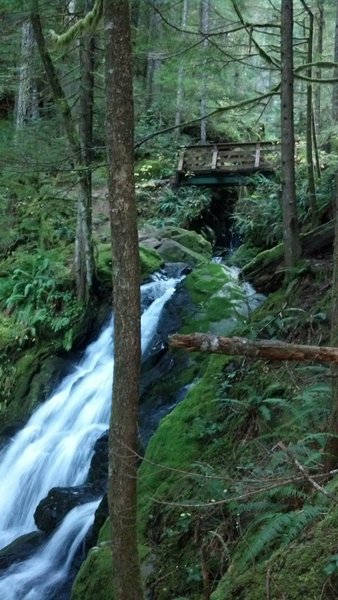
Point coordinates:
[[55, 449]]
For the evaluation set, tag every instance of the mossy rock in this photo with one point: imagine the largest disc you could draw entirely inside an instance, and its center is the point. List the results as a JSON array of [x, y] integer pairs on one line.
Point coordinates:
[[94, 579], [217, 298], [189, 239], [174, 252], [244, 255], [266, 270], [150, 262]]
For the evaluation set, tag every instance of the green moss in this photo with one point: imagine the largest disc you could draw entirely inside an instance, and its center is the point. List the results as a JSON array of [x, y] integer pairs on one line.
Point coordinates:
[[172, 251], [150, 261], [295, 572], [244, 255], [217, 298], [263, 260], [94, 580], [190, 239], [177, 442]]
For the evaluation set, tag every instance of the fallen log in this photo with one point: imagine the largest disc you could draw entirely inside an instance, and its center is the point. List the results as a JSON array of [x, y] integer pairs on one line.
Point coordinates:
[[265, 349]]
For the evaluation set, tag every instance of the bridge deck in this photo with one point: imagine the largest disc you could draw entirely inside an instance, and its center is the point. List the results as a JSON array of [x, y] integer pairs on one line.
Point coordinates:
[[226, 164]]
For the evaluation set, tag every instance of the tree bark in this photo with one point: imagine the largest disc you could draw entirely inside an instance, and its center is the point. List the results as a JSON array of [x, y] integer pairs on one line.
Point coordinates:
[[83, 259], [292, 247], [205, 10], [265, 349], [27, 98], [309, 127], [126, 277], [319, 56], [332, 444], [179, 93], [335, 74]]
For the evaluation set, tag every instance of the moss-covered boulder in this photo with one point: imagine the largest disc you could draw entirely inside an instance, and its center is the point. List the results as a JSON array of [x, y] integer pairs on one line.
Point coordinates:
[[150, 262], [174, 252], [190, 239], [94, 580], [217, 298], [175, 244]]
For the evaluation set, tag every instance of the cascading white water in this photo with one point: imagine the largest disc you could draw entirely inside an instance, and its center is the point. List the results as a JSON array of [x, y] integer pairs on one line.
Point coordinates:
[[55, 449]]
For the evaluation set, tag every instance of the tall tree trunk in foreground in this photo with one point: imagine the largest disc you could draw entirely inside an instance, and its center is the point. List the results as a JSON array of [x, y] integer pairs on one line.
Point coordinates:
[[291, 238], [126, 294]]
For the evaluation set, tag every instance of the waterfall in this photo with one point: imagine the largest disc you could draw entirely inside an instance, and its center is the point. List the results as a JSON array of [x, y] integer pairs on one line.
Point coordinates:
[[55, 449]]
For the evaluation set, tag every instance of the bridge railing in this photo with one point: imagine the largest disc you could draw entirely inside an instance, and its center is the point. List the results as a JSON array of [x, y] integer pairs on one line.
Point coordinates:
[[247, 157]]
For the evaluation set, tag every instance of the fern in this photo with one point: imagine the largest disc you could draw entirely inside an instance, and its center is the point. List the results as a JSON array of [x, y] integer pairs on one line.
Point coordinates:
[[274, 528]]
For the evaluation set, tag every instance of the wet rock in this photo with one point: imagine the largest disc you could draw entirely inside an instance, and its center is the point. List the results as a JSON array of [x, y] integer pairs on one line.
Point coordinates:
[[21, 548], [52, 510], [98, 470]]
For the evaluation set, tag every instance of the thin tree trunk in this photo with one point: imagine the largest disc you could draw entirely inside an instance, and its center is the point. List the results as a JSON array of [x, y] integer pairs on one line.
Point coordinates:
[[84, 259], [319, 56], [265, 349], [335, 74], [27, 98], [292, 247], [180, 74], [309, 128], [205, 9], [83, 249], [126, 277], [154, 58], [332, 444]]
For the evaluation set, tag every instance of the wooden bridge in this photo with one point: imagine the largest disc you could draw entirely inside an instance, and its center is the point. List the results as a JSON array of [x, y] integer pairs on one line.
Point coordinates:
[[226, 164]]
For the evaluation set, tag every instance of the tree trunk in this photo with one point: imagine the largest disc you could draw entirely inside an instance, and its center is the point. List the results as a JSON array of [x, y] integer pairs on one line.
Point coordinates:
[[154, 58], [205, 9], [180, 74], [84, 259], [319, 56], [126, 278], [335, 74], [309, 127], [83, 249], [292, 247], [27, 98], [265, 349], [332, 444]]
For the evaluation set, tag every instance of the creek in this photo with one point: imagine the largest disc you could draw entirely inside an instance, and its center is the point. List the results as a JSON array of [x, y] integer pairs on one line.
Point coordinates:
[[55, 448]]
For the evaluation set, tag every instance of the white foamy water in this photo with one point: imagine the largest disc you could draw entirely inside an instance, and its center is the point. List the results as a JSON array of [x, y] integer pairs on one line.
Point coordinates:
[[55, 449]]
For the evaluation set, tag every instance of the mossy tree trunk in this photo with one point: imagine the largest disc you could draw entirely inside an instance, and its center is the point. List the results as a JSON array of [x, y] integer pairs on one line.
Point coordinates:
[[126, 292], [292, 247], [83, 256]]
